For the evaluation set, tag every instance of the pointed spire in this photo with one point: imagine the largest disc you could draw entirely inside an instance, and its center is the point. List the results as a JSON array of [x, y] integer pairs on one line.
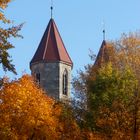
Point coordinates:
[[106, 54], [101, 54], [51, 48]]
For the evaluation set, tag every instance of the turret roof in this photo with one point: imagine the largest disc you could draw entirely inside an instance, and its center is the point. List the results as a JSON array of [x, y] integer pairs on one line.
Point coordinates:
[[51, 48], [105, 54]]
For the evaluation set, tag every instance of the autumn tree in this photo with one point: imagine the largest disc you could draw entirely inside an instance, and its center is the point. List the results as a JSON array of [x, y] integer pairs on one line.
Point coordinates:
[[111, 90], [26, 112], [5, 35], [109, 99], [80, 85], [128, 48]]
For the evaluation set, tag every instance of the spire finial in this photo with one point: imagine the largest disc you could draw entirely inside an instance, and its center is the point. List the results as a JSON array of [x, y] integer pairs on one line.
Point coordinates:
[[51, 8], [104, 34], [103, 24]]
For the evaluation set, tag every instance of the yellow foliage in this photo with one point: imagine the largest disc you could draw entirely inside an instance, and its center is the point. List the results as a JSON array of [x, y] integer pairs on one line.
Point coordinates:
[[26, 112]]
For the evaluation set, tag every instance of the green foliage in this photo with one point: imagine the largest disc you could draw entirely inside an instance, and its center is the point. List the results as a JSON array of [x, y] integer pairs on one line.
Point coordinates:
[[109, 85], [111, 90]]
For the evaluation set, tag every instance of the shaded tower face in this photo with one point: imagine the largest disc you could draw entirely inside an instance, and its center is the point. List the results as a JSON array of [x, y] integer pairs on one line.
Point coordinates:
[[51, 65]]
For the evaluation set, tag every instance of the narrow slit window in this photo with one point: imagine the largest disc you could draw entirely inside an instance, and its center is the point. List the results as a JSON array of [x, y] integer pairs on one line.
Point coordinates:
[[38, 78], [65, 82]]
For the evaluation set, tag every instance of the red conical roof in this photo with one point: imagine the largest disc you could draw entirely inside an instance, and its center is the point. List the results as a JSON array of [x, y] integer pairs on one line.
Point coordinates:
[[105, 54], [51, 47]]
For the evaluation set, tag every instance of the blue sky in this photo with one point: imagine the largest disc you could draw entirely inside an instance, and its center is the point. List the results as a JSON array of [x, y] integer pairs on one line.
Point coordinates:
[[79, 23]]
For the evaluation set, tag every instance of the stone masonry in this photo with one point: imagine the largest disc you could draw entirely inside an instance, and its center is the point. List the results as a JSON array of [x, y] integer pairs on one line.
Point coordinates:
[[51, 78]]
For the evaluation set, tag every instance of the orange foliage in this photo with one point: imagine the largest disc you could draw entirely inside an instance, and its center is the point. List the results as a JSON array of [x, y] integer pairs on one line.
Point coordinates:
[[27, 113], [3, 5], [24, 110]]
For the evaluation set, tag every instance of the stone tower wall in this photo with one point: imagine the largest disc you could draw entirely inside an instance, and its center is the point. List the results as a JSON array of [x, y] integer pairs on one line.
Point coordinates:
[[51, 78]]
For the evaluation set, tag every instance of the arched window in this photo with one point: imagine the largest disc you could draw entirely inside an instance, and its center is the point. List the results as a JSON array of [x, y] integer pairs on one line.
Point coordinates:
[[37, 77], [65, 82]]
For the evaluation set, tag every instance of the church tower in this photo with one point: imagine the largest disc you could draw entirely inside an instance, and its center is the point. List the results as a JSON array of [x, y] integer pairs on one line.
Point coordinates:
[[51, 65]]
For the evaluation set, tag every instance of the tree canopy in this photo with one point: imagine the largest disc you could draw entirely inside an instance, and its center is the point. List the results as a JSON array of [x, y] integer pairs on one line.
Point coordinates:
[[26, 112], [111, 90], [5, 35]]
